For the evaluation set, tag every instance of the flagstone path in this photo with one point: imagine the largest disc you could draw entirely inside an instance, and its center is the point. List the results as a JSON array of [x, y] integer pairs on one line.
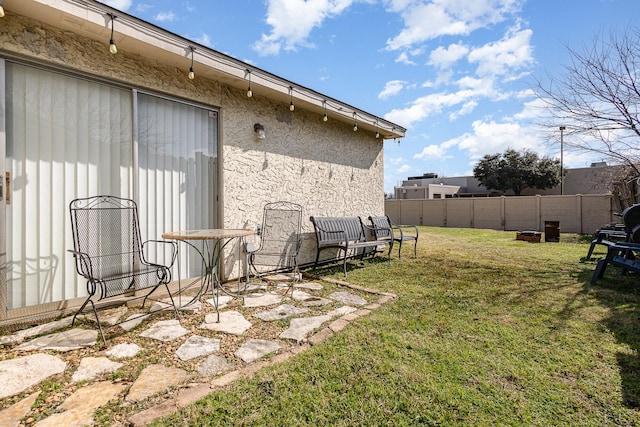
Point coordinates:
[[193, 357]]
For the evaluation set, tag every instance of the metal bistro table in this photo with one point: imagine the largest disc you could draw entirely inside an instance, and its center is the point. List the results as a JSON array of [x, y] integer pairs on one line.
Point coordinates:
[[213, 243]]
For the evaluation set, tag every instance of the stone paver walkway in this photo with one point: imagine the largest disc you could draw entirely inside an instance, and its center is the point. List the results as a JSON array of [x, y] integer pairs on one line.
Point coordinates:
[[312, 315]]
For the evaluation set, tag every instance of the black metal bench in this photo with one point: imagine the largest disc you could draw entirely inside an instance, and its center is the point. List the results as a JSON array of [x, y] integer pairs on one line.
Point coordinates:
[[349, 235], [399, 233], [612, 234], [109, 253], [607, 237], [625, 255]]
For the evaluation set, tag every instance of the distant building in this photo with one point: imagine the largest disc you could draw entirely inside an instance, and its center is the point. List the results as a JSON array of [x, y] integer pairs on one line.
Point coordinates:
[[596, 179]]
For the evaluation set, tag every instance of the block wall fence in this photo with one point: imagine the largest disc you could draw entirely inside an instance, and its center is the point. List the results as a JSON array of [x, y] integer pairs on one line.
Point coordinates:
[[582, 214]]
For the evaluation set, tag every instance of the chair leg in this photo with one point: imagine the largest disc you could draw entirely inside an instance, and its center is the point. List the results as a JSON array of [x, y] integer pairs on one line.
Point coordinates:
[[175, 310], [84, 304], [399, 249], [599, 271], [344, 263], [95, 313], [296, 275], [591, 248], [415, 248], [252, 268], [602, 266]]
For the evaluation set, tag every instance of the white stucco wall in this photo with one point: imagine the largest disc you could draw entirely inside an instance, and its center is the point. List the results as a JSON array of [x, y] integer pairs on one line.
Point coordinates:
[[324, 166]]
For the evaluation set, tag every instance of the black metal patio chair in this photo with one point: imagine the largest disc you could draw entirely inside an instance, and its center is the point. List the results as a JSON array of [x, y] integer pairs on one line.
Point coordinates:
[[280, 240], [109, 253]]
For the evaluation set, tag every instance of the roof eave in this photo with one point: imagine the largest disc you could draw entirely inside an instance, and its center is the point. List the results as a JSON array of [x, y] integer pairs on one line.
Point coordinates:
[[92, 19]]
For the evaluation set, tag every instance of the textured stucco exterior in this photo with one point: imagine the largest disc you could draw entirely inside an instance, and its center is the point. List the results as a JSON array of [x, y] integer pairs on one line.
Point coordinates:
[[325, 166]]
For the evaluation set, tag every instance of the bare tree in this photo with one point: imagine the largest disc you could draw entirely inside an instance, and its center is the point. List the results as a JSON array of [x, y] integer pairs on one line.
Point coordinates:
[[597, 99]]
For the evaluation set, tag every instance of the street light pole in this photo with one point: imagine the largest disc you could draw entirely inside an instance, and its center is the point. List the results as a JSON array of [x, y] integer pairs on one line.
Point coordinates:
[[562, 128]]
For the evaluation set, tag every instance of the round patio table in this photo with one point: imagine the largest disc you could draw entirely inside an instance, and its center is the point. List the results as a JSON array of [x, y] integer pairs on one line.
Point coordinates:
[[214, 240]]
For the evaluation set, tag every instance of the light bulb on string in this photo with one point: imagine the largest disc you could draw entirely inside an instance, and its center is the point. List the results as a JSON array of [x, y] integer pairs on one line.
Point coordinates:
[[112, 44], [325, 117], [355, 123], [192, 74], [249, 91], [291, 105]]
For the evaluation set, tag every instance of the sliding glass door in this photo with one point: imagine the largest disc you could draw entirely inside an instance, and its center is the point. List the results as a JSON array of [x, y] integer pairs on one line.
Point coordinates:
[[65, 137], [177, 168]]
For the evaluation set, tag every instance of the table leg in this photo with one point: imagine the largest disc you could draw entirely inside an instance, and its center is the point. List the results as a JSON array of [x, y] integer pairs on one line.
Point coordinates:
[[211, 256], [205, 280]]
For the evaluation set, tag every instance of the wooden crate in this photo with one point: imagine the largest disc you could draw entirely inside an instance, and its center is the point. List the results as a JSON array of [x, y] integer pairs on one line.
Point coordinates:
[[529, 236]]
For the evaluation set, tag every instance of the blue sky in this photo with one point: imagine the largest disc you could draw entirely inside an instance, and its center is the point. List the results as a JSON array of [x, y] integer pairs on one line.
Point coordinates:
[[458, 74]]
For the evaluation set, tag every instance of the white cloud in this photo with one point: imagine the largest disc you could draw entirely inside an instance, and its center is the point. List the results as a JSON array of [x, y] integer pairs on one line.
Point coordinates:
[[324, 74], [445, 57], [489, 137], [404, 169], [431, 152], [444, 77], [267, 46], [165, 17], [496, 59], [203, 39], [533, 110], [403, 58], [514, 51], [123, 5], [427, 105], [484, 86], [292, 21], [426, 21], [466, 108], [527, 93], [144, 7], [391, 88], [395, 160]]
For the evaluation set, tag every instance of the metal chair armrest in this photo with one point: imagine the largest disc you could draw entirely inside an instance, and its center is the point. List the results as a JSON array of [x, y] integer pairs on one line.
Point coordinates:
[[376, 229], [174, 249], [402, 227], [83, 263]]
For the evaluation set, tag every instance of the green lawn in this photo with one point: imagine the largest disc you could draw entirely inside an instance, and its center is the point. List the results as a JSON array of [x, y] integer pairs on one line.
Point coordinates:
[[486, 331]]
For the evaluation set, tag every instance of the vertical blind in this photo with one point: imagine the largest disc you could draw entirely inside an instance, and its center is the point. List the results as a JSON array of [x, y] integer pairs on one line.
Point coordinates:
[[177, 164], [68, 137]]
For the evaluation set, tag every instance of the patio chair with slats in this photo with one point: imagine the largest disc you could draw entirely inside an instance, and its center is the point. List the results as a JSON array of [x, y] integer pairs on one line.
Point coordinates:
[[384, 228]]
